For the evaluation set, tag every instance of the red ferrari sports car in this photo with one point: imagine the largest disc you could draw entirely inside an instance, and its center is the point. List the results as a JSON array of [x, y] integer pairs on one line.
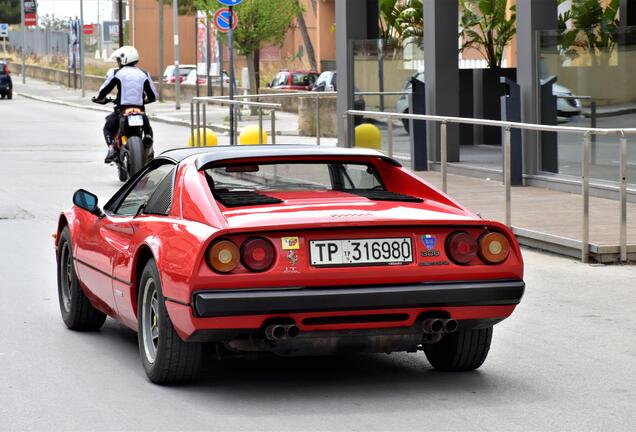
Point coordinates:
[[287, 249]]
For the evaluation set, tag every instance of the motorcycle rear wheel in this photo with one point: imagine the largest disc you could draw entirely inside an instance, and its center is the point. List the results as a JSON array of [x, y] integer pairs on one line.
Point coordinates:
[[135, 155]]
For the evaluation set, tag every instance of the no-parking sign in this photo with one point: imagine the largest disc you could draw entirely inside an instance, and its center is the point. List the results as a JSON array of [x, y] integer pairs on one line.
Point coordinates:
[[230, 2], [222, 20], [4, 30]]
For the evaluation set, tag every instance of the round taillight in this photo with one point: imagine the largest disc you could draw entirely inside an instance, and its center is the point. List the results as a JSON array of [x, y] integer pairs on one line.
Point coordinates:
[[493, 247], [223, 256], [461, 247], [257, 254]]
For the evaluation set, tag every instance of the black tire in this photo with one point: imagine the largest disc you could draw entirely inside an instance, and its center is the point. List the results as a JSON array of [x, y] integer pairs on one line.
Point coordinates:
[[135, 155], [165, 357], [77, 311], [463, 350], [10, 94]]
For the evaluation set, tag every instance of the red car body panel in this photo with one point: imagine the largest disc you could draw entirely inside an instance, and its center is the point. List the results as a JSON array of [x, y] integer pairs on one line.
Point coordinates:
[[108, 250]]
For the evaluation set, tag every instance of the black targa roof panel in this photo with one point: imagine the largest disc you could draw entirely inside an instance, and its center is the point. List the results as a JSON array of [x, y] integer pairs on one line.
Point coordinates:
[[210, 155]]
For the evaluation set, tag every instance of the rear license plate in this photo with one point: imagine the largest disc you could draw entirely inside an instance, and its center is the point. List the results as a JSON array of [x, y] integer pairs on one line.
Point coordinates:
[[380, 251], [135, 120]]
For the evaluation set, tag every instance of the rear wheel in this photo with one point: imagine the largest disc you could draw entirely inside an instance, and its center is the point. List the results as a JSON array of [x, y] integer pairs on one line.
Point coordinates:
[[463, 350], [135, 155], [77, 312], [165, 357]]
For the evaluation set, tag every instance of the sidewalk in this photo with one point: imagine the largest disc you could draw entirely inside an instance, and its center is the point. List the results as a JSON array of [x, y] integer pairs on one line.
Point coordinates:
[[217, 116]]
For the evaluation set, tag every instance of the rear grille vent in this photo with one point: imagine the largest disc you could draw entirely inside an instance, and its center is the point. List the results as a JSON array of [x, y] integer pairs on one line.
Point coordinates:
[[243, 198], [379, 195], [355, 319]]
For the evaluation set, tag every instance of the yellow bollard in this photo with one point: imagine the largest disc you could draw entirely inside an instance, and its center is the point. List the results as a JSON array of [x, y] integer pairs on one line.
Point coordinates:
[[368, 136], [210, 139], [249, 135]]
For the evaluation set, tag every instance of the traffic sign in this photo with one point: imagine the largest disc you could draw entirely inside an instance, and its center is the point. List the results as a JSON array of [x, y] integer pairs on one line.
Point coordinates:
[[230, 2], [4, 30], [222, 20]]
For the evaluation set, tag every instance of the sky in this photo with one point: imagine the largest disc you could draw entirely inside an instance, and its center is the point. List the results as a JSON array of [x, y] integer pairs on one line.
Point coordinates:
[[71, 8]]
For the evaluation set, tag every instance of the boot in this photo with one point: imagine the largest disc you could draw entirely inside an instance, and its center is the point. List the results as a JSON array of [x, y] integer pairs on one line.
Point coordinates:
[[111, 155]]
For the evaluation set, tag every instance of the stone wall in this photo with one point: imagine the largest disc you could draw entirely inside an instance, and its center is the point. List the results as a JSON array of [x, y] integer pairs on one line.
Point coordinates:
[[307, 117]]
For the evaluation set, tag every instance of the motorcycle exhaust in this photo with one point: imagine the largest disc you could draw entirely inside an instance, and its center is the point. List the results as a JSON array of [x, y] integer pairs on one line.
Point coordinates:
[[433, 325]]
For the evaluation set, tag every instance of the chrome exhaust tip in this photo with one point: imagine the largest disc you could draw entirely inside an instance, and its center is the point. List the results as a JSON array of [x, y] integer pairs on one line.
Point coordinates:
[[275, 332], [292, 331], [433, 325], [451, 326]]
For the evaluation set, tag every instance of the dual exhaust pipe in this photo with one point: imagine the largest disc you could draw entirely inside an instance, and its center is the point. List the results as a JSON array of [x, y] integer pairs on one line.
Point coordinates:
[[439, 325], [276, 332]]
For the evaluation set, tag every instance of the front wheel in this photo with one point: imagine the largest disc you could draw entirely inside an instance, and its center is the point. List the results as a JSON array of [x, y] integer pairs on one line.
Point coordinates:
[[463, 350], [165, 357], [77, 311], [10, 94], [134, 155]]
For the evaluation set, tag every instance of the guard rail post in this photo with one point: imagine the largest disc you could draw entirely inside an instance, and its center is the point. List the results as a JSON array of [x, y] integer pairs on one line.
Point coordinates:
[[260, 125], [198, 124], [273, 128], [444, 154], [317, 120], [389, 134], [585, 186], [192, 103], [508, 174], [623, 197], [205, 125]]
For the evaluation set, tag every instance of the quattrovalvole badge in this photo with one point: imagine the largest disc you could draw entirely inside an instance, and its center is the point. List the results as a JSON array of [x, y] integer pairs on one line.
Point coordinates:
[[290, 243]]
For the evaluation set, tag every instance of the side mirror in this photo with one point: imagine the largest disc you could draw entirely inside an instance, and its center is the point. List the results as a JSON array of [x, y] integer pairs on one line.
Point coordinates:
[[87, 201]]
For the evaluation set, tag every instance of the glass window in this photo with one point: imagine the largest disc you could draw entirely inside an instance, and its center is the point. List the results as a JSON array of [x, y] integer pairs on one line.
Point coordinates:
[[142, 190], [295, 176]]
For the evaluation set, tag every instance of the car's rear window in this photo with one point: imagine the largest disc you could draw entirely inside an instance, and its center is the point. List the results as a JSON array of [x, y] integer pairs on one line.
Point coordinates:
[[294, 176], [301, 79]]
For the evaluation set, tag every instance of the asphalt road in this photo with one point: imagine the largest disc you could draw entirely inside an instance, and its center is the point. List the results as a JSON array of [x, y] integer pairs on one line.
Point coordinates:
[[564, 361]]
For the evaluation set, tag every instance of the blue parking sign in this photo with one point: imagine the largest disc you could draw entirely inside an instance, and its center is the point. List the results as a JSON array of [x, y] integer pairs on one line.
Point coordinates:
[[230, 2], [4, 30]]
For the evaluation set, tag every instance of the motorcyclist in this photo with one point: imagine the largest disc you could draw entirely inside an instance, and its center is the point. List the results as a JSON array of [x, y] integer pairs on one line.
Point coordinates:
[[135, 88]]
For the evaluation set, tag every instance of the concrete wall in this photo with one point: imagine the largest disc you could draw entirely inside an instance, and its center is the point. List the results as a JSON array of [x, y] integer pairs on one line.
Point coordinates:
[[307, 117]]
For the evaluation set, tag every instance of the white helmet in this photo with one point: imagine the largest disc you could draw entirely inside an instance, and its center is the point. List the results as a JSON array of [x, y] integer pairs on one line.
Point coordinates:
[[125, 55]]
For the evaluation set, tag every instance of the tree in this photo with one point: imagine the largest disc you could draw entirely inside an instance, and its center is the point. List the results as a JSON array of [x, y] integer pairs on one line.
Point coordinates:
[[588, 26], [401, 21], [487, 26], [259, 22], [311, 54], [10, 11], [51, 22]]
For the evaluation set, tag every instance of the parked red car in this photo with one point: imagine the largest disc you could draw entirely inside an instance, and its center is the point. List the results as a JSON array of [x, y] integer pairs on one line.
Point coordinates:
[[293, 250], [294, 80]]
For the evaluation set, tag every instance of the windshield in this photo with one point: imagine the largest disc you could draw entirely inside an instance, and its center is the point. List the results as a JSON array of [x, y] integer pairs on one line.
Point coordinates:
[[294, 176]]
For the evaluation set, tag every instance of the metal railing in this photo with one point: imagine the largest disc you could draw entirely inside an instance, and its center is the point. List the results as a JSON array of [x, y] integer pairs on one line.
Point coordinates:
[[317, 95], [198, 112], [507, 127]]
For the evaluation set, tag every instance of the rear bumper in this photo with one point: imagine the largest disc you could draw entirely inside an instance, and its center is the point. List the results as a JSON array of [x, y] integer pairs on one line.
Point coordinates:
[[226, 303]]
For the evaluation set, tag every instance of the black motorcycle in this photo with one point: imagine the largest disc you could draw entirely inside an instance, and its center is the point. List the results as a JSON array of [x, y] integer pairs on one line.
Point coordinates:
[[133, 151]]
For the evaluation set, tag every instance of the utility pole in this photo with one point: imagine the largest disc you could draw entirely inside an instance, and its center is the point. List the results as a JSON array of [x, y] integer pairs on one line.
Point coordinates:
[[177, 76], [230, 43], [120, 17], [160, 74], [81, 36], [99, 32], [23, 43], [208, 56]]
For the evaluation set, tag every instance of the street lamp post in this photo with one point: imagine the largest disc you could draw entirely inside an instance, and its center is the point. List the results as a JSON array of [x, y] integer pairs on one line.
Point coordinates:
[[177, 77], [81, 38], [23, 42]]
